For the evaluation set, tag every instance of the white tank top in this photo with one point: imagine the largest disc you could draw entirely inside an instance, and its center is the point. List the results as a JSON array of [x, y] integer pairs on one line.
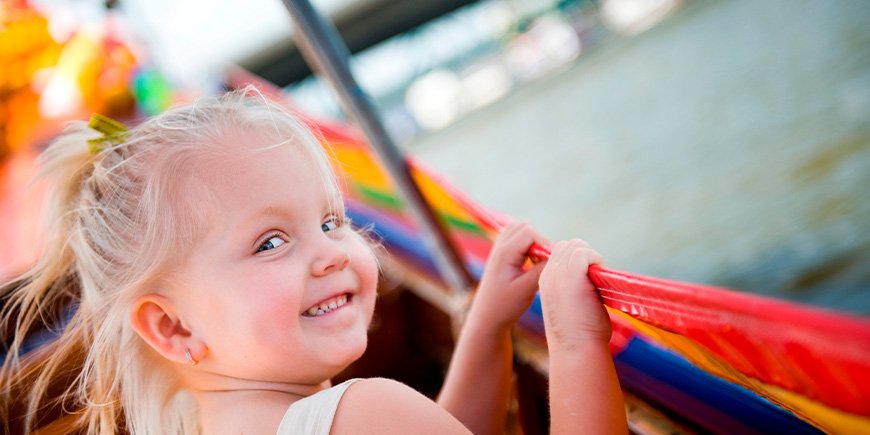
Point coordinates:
[[313, 415]]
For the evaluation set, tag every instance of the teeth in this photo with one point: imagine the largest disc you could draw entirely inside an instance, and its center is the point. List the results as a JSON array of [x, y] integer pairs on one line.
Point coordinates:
[[327, 306]]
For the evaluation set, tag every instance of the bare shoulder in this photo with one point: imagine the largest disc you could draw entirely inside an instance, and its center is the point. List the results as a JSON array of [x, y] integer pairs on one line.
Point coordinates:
[[384, 406]]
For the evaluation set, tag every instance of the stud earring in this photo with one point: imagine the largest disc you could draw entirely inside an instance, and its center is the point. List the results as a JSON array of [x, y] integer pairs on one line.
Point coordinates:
[[190, 357]]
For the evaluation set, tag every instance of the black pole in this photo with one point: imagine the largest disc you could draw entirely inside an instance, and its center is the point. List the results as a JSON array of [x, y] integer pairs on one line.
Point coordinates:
[[324, 50]]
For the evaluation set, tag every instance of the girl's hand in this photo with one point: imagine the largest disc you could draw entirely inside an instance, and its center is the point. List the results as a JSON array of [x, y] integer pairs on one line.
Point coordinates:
[[573, 313], [508, 286]]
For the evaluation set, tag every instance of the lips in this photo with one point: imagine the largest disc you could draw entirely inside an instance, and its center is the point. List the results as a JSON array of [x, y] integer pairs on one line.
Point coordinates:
[[327, 305]]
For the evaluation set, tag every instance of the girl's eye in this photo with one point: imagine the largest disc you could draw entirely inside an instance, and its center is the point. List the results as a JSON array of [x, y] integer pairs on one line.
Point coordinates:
[[331, 224], [270, 244]]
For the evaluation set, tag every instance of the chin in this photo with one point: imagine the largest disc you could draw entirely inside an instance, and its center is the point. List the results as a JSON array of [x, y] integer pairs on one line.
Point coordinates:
[[360, 348], [351, 350]]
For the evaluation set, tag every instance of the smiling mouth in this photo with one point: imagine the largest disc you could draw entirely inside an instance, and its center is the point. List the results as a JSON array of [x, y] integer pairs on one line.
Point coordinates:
[[327, 306]]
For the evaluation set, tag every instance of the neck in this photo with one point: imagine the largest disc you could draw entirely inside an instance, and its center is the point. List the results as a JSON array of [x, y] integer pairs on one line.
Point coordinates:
[[233, 405]]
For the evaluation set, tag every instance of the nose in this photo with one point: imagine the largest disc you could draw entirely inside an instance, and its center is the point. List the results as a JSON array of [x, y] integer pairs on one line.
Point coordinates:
[[331, 257]]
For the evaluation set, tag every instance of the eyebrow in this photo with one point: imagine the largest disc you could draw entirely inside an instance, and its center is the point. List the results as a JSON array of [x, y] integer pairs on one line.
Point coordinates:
[[268, 211]]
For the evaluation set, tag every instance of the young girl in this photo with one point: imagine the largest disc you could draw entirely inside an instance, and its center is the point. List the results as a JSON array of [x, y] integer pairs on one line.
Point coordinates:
[[210, 282]]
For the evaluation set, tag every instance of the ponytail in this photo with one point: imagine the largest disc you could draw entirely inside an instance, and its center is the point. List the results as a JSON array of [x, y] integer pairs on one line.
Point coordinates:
[[38, 385]]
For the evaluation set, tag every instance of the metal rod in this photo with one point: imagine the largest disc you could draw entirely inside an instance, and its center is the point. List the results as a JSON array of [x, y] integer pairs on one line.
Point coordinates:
[[325, 51]]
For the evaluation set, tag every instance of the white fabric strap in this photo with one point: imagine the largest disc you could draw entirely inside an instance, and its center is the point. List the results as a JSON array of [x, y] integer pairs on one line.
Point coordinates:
[[313, 415]]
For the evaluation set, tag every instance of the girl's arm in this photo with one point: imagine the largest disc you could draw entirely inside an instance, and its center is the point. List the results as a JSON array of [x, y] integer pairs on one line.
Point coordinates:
[[584, 391], [478, 384]]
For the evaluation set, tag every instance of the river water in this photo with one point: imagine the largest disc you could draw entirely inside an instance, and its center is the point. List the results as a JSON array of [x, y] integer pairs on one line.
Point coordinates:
[[729, 145]]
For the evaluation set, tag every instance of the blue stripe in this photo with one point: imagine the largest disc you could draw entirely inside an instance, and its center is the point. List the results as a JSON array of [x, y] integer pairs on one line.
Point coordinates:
[[715, 404]]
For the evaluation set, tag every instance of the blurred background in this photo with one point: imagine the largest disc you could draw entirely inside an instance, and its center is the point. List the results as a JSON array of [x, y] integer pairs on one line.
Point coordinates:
[[725, 142]]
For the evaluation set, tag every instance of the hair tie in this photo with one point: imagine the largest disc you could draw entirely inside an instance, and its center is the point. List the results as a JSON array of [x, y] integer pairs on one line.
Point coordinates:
[[113, 131]]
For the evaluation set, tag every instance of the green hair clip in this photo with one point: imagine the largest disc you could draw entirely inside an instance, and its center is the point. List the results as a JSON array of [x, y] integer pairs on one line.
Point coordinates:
[[113, 131]]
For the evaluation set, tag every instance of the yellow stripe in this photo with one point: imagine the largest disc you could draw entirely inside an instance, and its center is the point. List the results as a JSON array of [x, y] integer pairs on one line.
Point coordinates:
[[361, 168]]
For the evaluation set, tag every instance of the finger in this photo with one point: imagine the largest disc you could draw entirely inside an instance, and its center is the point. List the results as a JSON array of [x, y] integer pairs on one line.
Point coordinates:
[[554, 263], [595, 257], [578, 259], [519, 231], [579, 243], [573, 255], [517, 240], [522, 230], [566, 247], [561, 251], [528, 237], [512, 229], [508, 234], [502, 246], [530, 278]]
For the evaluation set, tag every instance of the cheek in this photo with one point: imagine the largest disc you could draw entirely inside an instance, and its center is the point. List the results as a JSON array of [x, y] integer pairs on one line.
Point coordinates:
[[266, 302], [369, 278], [366, 264]]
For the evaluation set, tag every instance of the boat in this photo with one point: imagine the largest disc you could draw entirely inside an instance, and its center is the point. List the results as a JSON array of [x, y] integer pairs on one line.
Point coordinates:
[[690, 357]]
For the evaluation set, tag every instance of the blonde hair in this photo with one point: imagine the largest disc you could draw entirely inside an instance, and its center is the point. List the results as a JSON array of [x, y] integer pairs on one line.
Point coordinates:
[[115, 224]]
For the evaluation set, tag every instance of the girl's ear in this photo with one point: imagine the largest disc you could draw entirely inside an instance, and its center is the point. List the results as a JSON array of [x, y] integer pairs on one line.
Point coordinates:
[[154, 318]]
